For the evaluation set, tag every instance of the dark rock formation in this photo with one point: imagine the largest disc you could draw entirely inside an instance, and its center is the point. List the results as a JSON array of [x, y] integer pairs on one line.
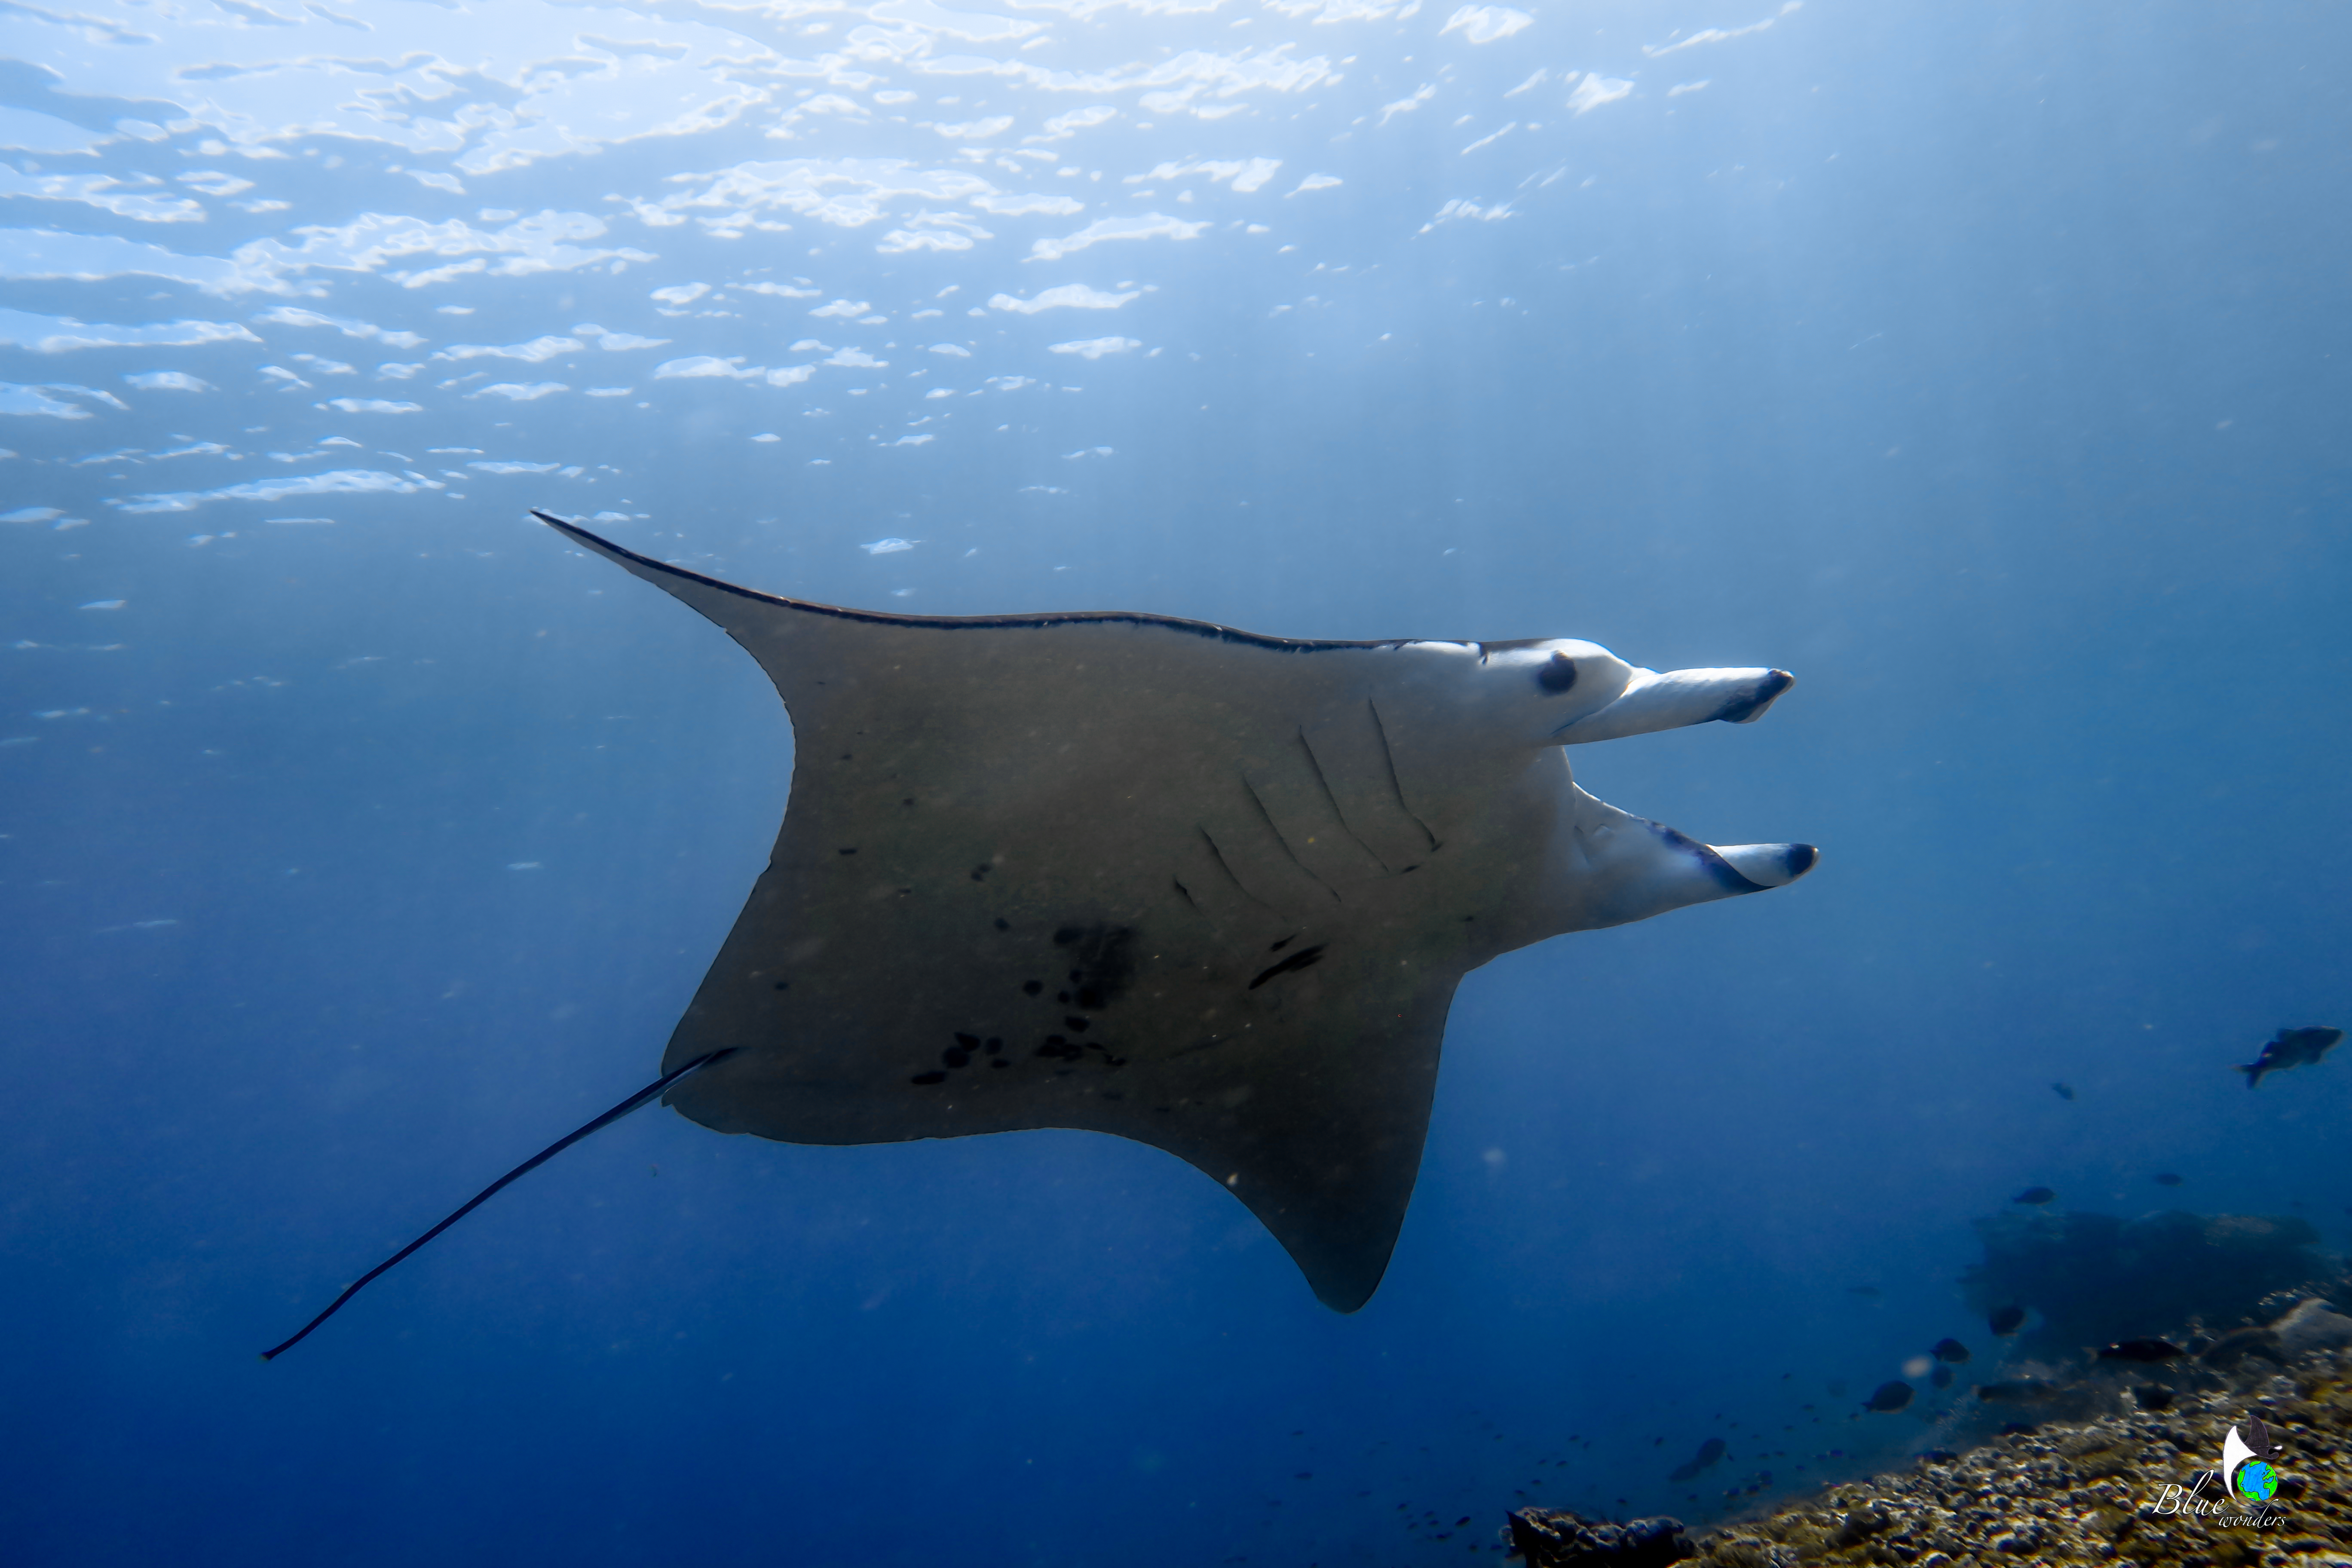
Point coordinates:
[[2097, 1278], [1555, 1538]]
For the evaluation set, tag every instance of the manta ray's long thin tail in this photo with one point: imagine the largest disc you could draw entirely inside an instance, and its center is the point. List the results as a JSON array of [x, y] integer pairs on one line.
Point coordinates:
[[651, 1091]]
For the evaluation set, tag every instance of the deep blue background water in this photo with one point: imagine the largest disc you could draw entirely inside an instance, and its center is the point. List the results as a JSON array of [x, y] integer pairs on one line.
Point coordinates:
[[1985, 366]]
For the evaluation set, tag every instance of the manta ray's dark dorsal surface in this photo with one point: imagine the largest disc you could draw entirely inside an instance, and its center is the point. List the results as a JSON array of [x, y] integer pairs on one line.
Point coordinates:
[[1205, 890]]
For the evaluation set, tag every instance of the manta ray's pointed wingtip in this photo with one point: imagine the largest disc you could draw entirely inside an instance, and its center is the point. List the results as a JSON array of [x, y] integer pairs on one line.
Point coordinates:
[[573, 529], [1769, 865], [602, 546]]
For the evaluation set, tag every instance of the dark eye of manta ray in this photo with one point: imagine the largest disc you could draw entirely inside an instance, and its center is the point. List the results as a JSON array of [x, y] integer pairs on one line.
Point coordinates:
[[1557, 674]]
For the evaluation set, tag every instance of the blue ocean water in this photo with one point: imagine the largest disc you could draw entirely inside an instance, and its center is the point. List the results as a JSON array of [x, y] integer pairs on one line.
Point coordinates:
[[1985, 366]]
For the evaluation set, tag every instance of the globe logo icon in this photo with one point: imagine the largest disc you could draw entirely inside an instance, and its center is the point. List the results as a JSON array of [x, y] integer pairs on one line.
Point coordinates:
[[2256, 1481]]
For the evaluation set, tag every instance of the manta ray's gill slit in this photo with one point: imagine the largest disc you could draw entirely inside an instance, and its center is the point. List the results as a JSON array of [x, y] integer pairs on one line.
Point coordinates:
[[1219, 856], [1272, 826], [1305, 958], [1314, 766], [1388, 765]]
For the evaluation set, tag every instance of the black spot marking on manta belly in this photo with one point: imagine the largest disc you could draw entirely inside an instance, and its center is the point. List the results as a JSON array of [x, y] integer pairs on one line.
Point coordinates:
[[956, 1056], [1105, 967], [1285, 941], [1060, 1049], [1557, 674], [1003, 924], [929, 1078], [1305, 958], [845, 851], [783, 986], [909, 801], [1033, 986]]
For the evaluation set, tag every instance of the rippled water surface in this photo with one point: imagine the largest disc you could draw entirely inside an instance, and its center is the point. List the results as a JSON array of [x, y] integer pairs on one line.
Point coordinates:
[[1985, 366]]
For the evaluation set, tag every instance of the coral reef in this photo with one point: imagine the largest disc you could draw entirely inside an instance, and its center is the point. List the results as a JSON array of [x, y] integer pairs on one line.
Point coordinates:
[[1555, 1538], [2097, 1278], [2133, 1488]]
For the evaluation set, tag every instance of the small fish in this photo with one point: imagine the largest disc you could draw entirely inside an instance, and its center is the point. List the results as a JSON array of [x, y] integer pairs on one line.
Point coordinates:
[[1942, 1376], [2142, 1350], [2167, 1179], [2034, 1196], [2289, 1048], [2062, 1090], [2006, 1320], [1948, 1350], [1888, 1396]]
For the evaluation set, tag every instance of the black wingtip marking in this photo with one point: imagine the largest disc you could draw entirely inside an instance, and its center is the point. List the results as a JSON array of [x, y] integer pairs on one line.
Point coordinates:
[[1305, 958], [1740, 709], [1802, 857]]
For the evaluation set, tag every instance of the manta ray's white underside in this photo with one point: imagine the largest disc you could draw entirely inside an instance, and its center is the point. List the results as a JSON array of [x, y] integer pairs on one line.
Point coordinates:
[[1209, 890]]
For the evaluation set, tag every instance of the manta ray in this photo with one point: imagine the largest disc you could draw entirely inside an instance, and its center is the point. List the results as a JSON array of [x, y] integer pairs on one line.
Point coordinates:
[[1204, 888]]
